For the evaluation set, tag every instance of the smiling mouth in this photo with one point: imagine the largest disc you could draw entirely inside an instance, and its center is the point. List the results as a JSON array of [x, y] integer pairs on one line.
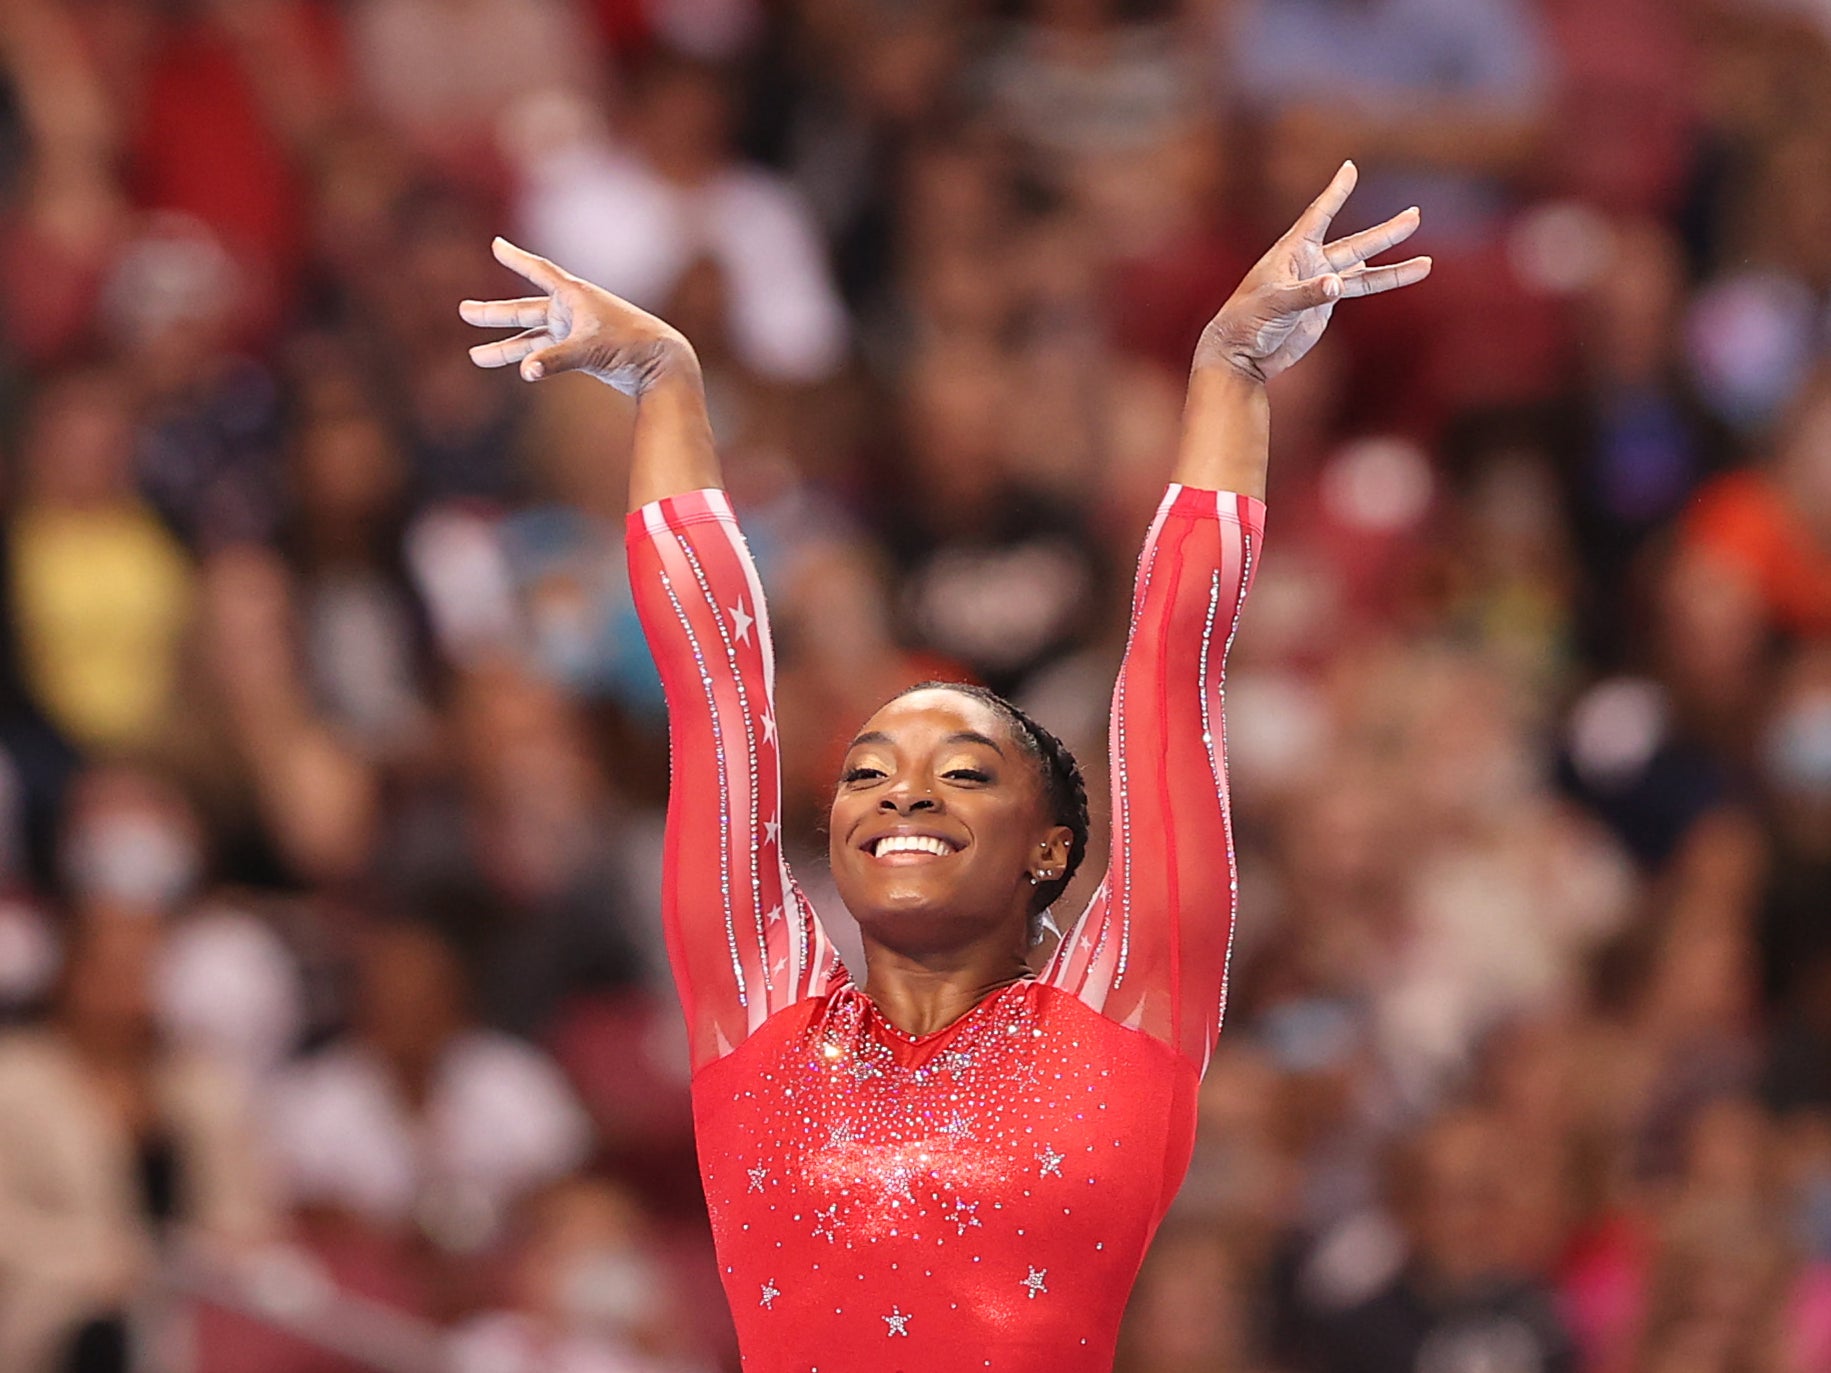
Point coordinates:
[[911, 848]]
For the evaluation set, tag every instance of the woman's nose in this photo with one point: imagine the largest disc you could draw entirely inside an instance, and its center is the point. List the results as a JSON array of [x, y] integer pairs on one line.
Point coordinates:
[[906, 802]]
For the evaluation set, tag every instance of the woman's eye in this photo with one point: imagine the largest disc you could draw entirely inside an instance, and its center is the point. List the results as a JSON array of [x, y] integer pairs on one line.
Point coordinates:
[[967, 775], [861, 774]]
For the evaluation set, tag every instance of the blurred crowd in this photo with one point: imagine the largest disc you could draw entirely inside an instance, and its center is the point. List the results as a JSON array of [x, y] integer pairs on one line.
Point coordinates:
[[337, 1033]]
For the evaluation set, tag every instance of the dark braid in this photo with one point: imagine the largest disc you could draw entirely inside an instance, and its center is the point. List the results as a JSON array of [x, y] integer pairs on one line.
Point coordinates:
[[1064, 789]]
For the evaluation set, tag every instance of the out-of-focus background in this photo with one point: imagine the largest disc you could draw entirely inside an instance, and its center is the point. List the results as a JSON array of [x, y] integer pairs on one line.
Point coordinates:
[[337, 1029]]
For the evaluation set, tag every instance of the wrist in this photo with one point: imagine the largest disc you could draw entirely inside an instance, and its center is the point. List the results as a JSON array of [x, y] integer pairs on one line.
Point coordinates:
[[1226, 432], [669, 366], [1236, 380], [1218, 351]]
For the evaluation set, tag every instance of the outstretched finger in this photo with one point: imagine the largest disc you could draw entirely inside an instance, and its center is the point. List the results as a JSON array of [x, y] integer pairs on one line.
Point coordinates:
[[508, 351], [1357, 248], [1314, 222], [527, 313], [536, 269], [1371, 281]]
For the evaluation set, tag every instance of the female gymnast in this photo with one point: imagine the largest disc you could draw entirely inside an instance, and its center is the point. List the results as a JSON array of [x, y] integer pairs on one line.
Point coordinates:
[[957, 1165]]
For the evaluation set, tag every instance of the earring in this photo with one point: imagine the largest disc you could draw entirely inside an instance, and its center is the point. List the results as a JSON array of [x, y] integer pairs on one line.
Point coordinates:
[[1032, 877]]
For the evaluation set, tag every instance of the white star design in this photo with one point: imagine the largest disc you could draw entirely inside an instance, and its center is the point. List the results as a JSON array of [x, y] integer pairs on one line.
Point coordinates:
[[839, 1134], [772, 830], [896, 1320], [1050, 1160], [963, 1214], [757, 1176], [826, 1223], [1035, 1281], [769, 727], [775, 914], [957, 1127], [740, 621], [770, 1293], [897, 1179]]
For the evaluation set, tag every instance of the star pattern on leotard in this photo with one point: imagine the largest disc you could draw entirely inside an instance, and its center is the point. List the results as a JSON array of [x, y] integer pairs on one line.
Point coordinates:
[[758, 1176], [1048, 1161], [826, 1223], [964, 1216], [957, 1127], [1035, 1282], [898, 1323], [770, 1293], [741, 620]]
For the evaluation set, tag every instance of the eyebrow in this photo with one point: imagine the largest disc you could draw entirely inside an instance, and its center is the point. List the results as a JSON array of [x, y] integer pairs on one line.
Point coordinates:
[[964, 736]]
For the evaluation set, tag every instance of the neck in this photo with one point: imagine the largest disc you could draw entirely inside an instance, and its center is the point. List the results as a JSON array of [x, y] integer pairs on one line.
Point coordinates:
[[929, 992]]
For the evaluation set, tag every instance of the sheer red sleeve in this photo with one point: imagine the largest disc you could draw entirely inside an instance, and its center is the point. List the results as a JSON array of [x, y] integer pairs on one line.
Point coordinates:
[[742, 939], [1151, 950]]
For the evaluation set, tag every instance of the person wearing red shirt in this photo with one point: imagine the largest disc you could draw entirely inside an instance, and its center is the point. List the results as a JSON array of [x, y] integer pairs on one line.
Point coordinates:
[[956, 1165], [1770, 525]]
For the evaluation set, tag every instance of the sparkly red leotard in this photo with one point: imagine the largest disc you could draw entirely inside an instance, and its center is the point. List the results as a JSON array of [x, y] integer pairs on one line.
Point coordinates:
[[978, 1198]]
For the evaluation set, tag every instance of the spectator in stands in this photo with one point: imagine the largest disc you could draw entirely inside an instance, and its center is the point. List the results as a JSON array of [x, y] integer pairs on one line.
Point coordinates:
[[1460, 1300], [113, 1149], [636, 213], [419, 1120]]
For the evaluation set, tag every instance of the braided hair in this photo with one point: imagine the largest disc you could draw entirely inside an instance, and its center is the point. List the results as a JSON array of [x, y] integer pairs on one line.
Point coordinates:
[[1064, 789]]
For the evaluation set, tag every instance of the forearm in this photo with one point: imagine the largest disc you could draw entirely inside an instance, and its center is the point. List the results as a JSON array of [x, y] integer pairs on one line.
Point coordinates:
[[673, 450], [1226, 435]]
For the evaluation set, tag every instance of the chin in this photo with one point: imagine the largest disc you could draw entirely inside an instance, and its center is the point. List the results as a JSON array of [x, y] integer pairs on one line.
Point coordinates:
[[893, 898], [898, 906]]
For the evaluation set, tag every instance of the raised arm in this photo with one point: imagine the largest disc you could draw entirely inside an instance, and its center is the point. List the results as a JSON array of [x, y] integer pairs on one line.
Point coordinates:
[[1151, 949], [742, 940]]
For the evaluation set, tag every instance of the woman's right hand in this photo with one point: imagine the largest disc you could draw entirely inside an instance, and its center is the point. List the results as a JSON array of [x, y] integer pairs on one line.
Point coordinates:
[[576, 327]]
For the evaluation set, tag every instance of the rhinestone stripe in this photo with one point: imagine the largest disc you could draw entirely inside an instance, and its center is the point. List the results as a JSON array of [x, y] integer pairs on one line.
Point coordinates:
[[1147, 564], [806, 937], [1214, 761], [793, 905], [1233, 870], [750, 756], [724, 801]]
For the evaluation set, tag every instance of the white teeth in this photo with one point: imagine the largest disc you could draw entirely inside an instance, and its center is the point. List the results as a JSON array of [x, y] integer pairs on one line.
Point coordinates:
[[911, 843]]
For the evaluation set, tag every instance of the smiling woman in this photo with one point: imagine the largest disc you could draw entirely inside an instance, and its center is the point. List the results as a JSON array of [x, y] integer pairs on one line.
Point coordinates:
[[956, 1165], [930, 777]]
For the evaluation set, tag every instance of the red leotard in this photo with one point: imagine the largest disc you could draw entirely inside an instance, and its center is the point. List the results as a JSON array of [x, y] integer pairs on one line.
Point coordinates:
[[981, 1197]]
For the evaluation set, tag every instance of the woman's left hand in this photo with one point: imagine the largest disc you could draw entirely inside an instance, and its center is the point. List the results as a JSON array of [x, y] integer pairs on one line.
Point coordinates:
[[1279, 311]]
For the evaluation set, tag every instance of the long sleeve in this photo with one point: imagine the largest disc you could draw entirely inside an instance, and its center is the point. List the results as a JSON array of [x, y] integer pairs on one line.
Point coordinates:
[[1151, 950], [742, 939]]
